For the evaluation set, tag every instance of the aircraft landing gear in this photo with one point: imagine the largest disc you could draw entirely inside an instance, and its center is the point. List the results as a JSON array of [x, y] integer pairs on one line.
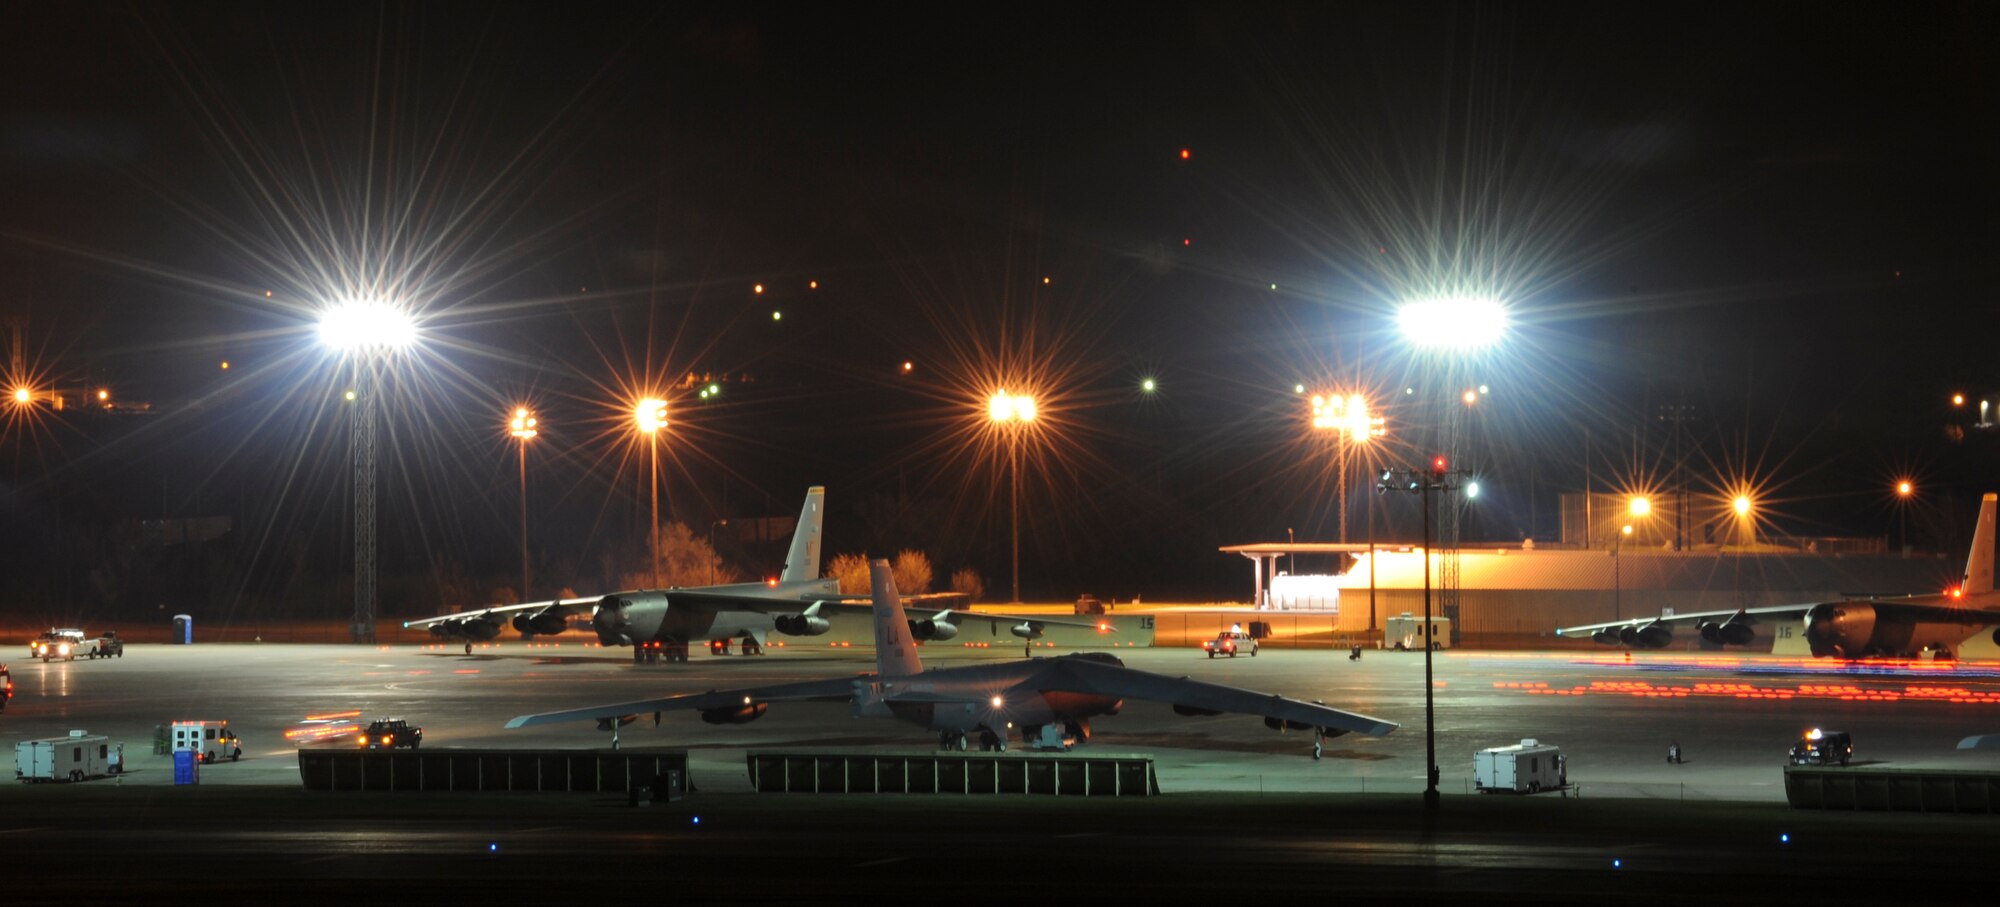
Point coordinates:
[[1319, 743], [468, 648]]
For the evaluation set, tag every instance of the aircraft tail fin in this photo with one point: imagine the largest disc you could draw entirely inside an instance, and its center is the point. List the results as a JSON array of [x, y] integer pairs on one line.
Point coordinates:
[[895, 651], [802, 562], [1979, 564]]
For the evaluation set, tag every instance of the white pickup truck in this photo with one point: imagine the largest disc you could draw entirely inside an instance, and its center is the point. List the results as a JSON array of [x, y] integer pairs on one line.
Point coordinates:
[[65, 644], [68, 642]]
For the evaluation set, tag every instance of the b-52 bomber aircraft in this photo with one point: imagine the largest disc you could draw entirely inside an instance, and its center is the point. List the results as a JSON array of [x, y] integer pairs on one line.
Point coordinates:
[[660, 623], [1851, 628], [1046, 702]]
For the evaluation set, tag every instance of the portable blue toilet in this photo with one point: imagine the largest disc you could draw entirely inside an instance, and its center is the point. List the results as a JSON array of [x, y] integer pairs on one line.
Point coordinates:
[[183, 629], [187, 767]]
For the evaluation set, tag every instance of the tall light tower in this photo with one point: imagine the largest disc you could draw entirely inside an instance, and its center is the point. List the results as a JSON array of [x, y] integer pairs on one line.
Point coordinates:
[[522, 428], [367, 333], [1438, 478], [649, 416], [1904, 488], [1348, 416], [1454, 329], [1013, 414]]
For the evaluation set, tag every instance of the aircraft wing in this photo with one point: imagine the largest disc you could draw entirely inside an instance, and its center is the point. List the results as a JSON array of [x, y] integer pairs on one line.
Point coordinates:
[[1912, 610], [1747, 616], [1085, 675], [957, 618], [835, 689], [563, 606]]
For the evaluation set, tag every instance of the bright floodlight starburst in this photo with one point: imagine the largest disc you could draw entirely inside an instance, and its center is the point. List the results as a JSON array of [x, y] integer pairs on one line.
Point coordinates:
[[1453, 323], [367, 325]]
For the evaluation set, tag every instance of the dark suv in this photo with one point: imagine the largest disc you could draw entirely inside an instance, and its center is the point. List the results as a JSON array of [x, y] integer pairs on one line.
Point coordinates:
[[391, 733], [1819, 747]]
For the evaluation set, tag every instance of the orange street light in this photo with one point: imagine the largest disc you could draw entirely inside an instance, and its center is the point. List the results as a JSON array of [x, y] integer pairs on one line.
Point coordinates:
[[522, 428], [1014, 411], [649, 416]]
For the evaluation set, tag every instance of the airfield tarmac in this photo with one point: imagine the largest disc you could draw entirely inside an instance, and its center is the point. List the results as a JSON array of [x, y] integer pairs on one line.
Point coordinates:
[[1247, 811], [1734, 716]]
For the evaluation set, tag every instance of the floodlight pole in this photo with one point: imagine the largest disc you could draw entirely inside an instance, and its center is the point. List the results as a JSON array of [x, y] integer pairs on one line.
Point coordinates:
[[523, 446], [363, 441], [1430, 709], [1014, 503], [1422, 484]]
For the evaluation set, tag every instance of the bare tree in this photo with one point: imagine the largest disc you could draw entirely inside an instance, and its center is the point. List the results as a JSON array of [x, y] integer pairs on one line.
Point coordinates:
[[852, 571], [966, 582], [913, 572]]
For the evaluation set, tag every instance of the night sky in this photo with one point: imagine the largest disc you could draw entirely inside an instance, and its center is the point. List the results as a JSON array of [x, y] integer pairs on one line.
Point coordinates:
[[1775, 220]]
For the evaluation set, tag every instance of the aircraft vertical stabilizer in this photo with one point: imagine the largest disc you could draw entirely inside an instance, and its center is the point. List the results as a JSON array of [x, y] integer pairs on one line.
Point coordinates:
[[802, 562], [1979, 565], [895, 651]]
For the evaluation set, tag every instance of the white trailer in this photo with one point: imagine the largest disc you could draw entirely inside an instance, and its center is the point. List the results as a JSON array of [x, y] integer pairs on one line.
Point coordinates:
[[1408, 631], [211, 741], [1528, 767], [76, 757]]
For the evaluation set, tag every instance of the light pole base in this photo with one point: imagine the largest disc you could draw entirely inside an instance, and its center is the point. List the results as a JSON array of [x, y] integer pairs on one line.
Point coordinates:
[[363, 632], [1431, 798]]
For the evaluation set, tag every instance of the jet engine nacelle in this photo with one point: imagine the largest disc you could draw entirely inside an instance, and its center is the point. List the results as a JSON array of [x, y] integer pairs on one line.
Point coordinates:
[[800, 625], [1841, 629], [742, 714], [932, 629], [606, 724], [1728, 634], [545, 624], [1027, 629], [1608, 636], [1651, 636], [477, 629], [1194, 710]]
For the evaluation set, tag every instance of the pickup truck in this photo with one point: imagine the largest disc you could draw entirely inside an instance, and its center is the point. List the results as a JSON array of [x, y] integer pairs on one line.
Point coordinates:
[[392, 733], [106, 646], [1230, 642], [58, 643], [68, 643]]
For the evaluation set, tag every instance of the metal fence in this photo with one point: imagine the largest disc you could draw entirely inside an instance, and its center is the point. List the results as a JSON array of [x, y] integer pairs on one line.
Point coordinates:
[[1892, 790], [561, 771], [953, 773]]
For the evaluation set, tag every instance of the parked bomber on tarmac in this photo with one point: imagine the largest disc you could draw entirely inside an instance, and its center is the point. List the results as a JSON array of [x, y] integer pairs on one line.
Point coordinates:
[[1045, 702], [661, 623], [1905, 627]]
